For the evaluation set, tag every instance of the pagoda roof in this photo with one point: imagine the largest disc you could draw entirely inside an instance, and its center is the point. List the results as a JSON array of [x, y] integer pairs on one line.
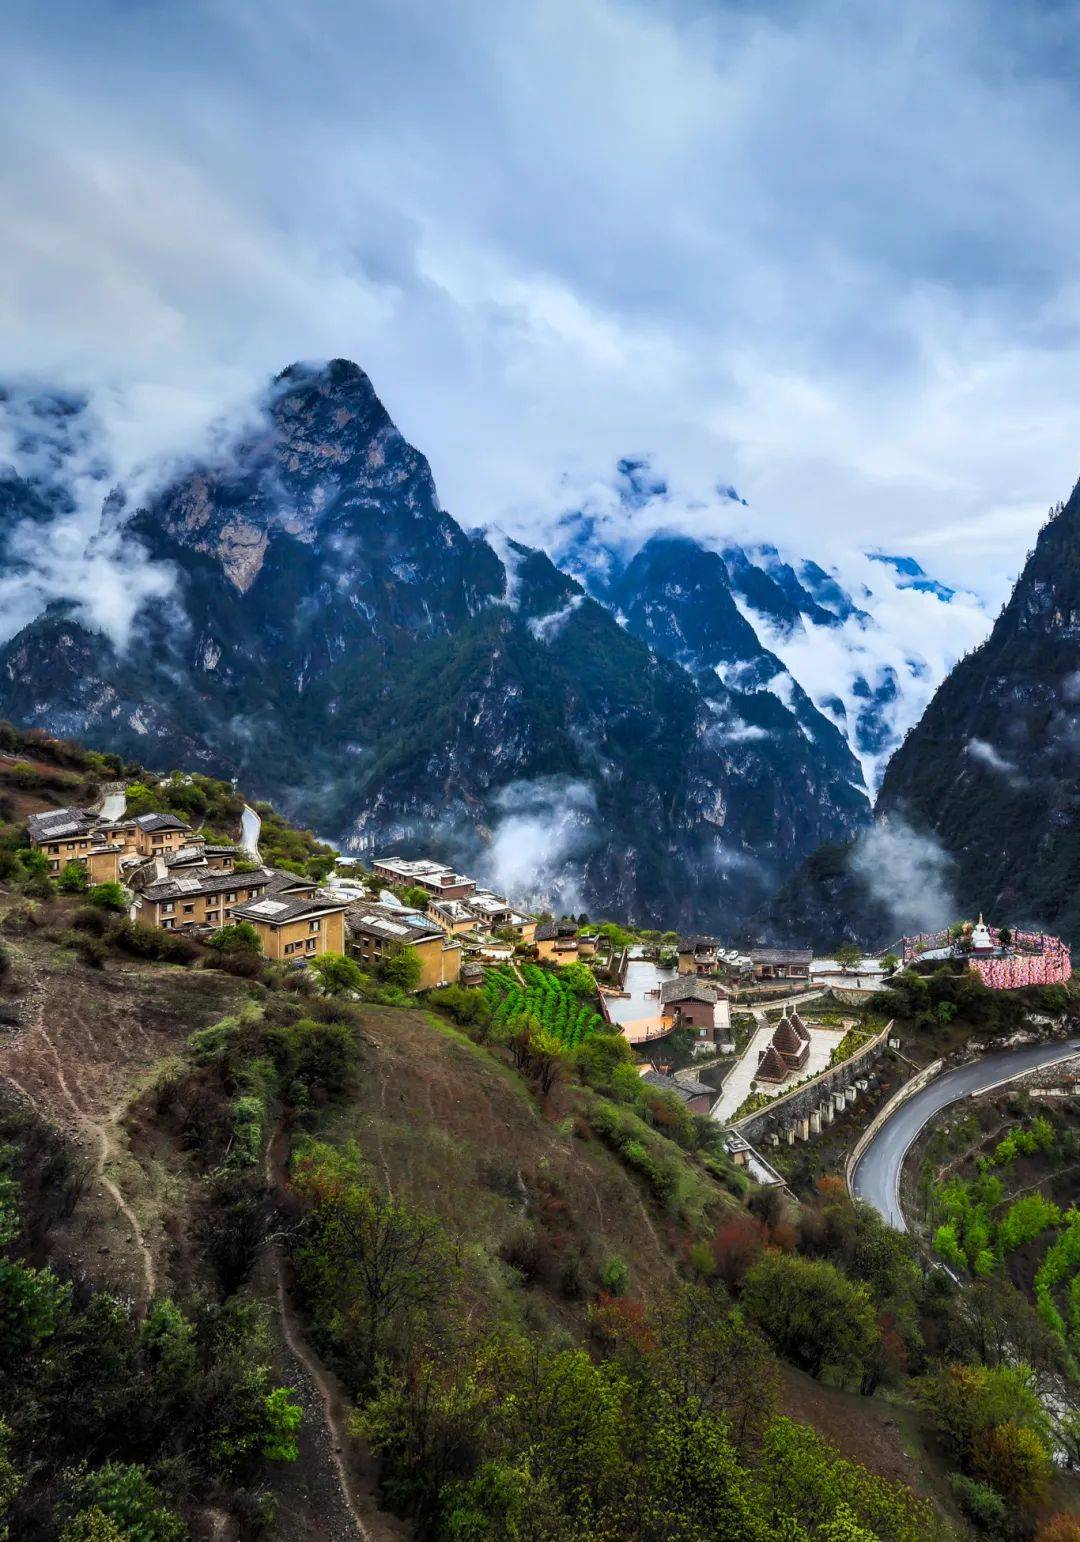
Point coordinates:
[[800, 1027], [787, 1040], [771, 1066]]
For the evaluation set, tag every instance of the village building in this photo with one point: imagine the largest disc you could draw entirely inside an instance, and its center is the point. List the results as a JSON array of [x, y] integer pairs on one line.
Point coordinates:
[[587, 944], [771, 1066], [799, 1026], [197, 854], [557, 940], [103, 863], [74, 835], [454, 916], [700, 1006], [293, 926], [472, 973], [781, 963], [436, 878], [208, 899], [147, 835], [981, 941], [63, 834], [489, 909], [695, 1095], [1004, 959], [790, 1045], [698, 955], [375, 932]]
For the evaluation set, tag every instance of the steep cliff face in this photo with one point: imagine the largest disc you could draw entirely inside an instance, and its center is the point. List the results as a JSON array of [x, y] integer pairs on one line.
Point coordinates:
[[334, 638], [676, 595], [993, 767]]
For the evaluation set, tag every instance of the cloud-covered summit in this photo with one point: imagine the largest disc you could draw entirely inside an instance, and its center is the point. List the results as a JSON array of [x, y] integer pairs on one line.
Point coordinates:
[[827, 248]]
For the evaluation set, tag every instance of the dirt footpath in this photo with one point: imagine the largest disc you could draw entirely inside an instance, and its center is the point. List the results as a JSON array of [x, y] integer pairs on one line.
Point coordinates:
[[87, 1042]]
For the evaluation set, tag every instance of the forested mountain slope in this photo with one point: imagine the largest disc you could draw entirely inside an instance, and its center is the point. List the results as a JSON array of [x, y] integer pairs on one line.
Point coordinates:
[[993, 767], [292, 1254]]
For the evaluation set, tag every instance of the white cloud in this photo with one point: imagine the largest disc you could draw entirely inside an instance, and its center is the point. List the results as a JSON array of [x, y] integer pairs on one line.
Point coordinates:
[[908, 873], [544, 830], [913, 633], [546, 628], [825, 252], [985, 753]]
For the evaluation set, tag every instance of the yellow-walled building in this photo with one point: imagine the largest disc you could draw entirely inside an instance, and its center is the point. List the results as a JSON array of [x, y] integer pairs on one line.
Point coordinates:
[[374, 933], [296, 926]]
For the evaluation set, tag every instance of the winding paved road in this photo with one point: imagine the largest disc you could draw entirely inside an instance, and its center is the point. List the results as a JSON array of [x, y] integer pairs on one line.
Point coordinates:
[[877, 1173]]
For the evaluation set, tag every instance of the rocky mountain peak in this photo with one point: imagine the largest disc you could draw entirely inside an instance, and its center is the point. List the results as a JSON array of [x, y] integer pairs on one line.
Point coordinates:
[[334, 637]]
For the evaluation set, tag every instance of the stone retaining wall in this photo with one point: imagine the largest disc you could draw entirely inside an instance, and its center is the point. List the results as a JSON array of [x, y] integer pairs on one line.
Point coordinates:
[[853, 995], [805, 1111]]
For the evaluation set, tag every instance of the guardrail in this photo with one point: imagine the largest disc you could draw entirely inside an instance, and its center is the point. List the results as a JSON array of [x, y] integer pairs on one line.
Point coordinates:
[[914, 1084]]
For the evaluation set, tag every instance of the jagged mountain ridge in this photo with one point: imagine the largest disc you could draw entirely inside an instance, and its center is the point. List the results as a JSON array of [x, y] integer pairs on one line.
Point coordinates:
[[337, 641], [709, 606], [992, 767]]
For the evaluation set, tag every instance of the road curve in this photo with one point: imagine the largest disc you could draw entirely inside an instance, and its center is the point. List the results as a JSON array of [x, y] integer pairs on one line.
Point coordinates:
[[876, 1177]]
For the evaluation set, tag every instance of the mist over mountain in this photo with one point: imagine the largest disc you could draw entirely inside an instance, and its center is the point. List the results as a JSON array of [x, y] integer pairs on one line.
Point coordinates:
[[993, 768], [858, 653], [306, 617]]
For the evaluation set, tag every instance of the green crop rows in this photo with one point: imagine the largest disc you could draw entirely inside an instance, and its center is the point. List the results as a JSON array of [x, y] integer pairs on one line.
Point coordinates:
[[546, 1000]]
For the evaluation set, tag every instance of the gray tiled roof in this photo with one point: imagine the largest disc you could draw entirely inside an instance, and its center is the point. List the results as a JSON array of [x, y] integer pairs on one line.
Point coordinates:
[[687, 989], [212, 880], [781, 955], [682, 1090], [55, 824], [160, 822], [277, 908], [391, 925], [550, 931]]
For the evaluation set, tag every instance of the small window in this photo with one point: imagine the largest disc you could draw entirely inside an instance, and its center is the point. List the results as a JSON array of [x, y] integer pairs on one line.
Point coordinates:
[[189, 910], [168, 908], [314, 926], [231, 897]]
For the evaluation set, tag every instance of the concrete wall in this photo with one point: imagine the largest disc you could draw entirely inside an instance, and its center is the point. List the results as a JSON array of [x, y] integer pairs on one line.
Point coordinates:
[[916, 1084]]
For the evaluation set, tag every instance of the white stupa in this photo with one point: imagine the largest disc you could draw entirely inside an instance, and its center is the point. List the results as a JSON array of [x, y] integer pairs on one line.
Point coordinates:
[[981, 941]]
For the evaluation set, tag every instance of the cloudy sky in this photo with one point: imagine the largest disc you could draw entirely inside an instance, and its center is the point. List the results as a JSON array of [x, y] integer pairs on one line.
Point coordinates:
[[824, 251]]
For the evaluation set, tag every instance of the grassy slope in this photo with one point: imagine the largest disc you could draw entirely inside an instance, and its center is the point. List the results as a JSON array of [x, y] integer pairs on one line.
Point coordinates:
[[440, 1121]]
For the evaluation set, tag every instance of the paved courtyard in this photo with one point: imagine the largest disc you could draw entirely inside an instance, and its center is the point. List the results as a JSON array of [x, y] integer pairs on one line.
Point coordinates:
[[737, 1086]]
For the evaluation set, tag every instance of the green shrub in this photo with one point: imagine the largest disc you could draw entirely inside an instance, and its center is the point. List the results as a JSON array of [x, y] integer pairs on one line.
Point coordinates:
[[615, 1276], [124, 1493], [1026, 1219], [74, 878], [34, 861], [982, 1506], [153, 942], [24, 775], [813, 1314], [339, 975], [109, 896], [240, 937], [947, 1246], [313, 1058]]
